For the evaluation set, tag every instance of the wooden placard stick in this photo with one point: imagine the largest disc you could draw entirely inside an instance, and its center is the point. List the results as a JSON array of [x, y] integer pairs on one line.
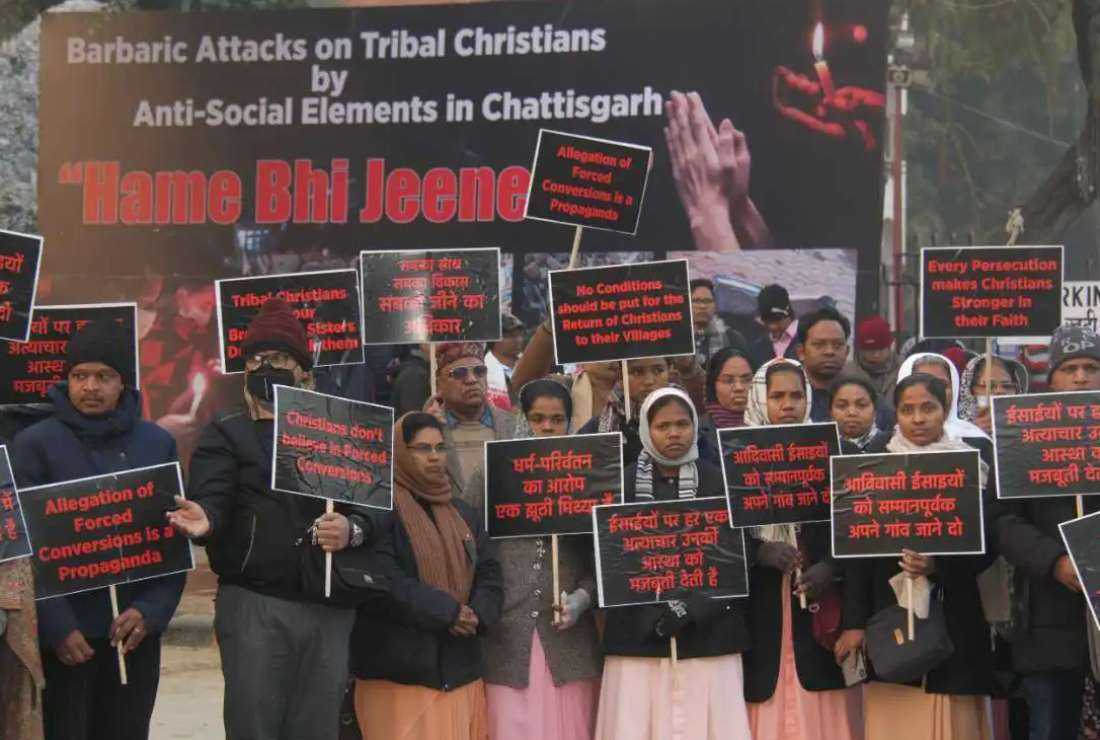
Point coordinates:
[[121, 655], [329, 508], [909, 607], [576, 247], [557, 580]]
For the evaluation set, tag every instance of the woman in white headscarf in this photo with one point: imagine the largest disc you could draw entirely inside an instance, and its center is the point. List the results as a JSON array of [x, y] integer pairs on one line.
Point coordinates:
[[942, 368], [642, 697], [793, 685]]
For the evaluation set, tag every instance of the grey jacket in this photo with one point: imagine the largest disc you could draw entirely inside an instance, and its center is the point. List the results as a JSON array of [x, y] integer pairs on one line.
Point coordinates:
[[504, 427], [573, 654]]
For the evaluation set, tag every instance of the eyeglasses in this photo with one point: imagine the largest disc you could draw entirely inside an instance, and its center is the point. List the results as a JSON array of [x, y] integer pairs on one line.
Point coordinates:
[[277, 360], [999, 387], [702, 300], [425, 450], [460, 373]]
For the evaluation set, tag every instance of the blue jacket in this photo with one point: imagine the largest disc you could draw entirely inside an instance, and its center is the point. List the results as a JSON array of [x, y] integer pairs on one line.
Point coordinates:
[[70, 445]]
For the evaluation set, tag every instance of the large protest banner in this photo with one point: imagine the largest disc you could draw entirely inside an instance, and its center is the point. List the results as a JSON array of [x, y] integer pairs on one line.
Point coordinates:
[[333, 448], [444, 295], [1081, 303], [778, 474], [1012, 292], [621, 312], [549, 485], [105, 530], [1047, 445], [1082, 538], [584, 181], [20, 260], [261, 142], [31, 368], [649, 552], [13, 528], [929, 502], [326, 302]]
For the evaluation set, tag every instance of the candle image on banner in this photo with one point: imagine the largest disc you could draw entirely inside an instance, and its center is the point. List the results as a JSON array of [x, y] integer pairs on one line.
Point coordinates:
[[928, 502], [650, 552], [326, 302], [333, 448], [14, 542], [431, 295], [31, 368], [778, 474], [583, 181], [105, 530], [1047, 445], [20, 260], [549, 485], [621, 312]]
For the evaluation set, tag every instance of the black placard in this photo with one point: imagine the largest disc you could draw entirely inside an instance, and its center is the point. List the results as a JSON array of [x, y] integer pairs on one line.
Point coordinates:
[[105, 530], [929, 502], [14, 542], [583, 181], [549, 485], [651, 552], [333, 448], [1082, 538], [31, 368], [20, 259], [621, 312], [431, 295], [778, 474], [326, 302], [991, 292], [1047, 445]]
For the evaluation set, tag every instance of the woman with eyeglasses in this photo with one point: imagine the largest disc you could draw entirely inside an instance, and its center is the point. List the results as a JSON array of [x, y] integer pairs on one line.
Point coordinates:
[[951, 701], [729, 377], [794, 687], [1009, 378], [542, 669], [415, 650], [643, 697]]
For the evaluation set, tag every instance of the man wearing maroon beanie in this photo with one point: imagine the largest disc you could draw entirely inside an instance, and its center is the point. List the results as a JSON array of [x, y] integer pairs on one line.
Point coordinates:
[[284, 648], [875, 355]]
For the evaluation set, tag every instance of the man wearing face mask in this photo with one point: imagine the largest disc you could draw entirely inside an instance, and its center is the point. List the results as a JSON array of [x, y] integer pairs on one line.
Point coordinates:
[[461, 404], [96, 428], [283, 648]]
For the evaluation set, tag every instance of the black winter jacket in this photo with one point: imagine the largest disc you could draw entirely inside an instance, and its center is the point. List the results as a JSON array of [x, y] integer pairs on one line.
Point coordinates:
[[717, 626], [401, 631]]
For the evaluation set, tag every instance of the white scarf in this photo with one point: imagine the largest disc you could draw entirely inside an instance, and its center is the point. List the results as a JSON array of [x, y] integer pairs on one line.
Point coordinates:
[[955, 427], [898, 443], [688, 478]]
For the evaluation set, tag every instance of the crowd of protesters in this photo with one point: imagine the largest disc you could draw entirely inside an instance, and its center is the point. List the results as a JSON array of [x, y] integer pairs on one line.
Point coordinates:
[[452, 635]]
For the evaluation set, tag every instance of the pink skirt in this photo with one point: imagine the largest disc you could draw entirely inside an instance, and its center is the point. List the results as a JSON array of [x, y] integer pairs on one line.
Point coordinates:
[[646, 699], [542, 711], [792, 713]]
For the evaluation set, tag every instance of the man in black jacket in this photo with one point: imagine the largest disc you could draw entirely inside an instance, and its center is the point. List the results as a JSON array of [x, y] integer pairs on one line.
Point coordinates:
[[773, 304], [284, 650], [1050, 649]]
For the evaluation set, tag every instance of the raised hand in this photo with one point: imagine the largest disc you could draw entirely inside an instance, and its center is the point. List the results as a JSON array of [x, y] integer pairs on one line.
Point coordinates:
[[190, 518]]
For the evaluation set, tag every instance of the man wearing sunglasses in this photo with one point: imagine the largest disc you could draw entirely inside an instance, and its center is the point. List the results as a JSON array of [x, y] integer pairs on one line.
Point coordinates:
[[283, 647], [461, 404]]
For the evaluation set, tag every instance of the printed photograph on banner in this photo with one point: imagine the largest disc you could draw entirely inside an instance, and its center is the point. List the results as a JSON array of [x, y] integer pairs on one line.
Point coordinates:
[[588, 182], [778, 474], [20, 260], [549, 485], [928, 502], [31, 368], [327, 303], [427, 143], [14, 542], [332, 448], [621, 312], [105, 530], [1047, 445], [531, 302], [1082, 539], [653, 552], [814, 278], [1013, 292], [444, 295]]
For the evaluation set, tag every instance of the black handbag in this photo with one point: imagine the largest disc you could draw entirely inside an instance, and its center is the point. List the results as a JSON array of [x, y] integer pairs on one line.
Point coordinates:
[[897, 659]]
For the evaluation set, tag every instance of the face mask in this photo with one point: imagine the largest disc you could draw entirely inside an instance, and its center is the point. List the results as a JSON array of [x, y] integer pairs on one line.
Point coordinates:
[[262, 381]]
